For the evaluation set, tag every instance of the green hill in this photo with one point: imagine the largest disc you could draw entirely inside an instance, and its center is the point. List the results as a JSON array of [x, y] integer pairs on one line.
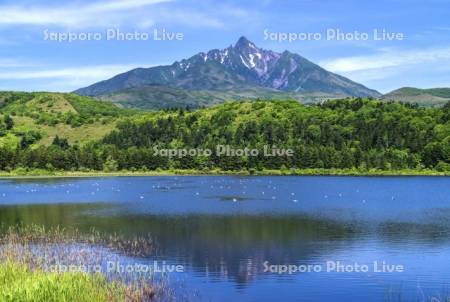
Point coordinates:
[[434, 97], [38, 117]]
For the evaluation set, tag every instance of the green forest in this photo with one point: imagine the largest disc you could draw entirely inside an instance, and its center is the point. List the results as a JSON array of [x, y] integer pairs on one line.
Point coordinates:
[[71, 133]]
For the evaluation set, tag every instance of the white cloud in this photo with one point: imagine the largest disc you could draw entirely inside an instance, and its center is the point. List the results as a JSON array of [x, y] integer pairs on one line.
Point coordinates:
[[392, 68], [138, 13], [89, 72], [387, 58], [65, 79], [98, 13]]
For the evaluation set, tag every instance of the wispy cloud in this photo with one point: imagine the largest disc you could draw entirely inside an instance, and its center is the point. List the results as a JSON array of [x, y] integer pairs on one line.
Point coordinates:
[[73, 15], [138, 13], [390, 68], [387, 58], [88, 72], [65, 79]]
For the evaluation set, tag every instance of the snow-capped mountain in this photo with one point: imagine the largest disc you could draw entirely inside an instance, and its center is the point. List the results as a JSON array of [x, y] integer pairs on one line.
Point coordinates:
[[240, 66]]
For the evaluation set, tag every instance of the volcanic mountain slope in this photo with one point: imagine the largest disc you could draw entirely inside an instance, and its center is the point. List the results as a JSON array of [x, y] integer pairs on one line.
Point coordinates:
[[228, 73]]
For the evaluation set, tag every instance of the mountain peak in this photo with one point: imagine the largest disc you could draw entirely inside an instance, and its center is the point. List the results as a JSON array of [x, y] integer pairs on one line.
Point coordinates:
[[243, 42]]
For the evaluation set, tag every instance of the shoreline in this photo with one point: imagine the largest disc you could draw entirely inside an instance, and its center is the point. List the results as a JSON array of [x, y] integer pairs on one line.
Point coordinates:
[[293, 172]]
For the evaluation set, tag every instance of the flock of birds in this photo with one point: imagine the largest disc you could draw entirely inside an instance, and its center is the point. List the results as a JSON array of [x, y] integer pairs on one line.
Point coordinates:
[[234, 187]]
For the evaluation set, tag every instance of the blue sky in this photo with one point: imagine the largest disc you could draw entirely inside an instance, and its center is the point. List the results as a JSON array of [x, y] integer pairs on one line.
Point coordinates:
[[29, 62]]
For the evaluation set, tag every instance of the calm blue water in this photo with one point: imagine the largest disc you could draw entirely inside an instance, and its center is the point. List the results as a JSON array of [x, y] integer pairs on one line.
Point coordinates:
[[223, 230]]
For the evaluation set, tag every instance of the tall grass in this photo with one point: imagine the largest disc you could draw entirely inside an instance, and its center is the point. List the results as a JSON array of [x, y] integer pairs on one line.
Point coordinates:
[[27, 252], [19, 283]]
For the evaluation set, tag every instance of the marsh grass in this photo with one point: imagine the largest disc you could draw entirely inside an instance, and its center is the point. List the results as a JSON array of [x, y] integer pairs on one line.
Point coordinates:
[[26, 253], [34, 234], [19, 283]]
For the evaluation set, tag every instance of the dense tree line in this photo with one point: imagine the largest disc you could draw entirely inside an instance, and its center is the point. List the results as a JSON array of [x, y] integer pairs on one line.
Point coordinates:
[[351, 133]]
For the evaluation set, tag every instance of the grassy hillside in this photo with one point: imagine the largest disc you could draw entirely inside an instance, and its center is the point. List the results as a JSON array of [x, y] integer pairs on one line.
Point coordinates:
[[434, 97], [411, 91], [38, 117]]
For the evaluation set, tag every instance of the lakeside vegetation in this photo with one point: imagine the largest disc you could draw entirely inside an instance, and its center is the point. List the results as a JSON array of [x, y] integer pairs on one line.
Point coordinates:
[[30, 173], [19, 283], [64, 134], [27, 253]]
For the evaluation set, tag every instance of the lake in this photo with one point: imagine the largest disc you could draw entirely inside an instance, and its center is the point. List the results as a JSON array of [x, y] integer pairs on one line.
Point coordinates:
[[233, 235]]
